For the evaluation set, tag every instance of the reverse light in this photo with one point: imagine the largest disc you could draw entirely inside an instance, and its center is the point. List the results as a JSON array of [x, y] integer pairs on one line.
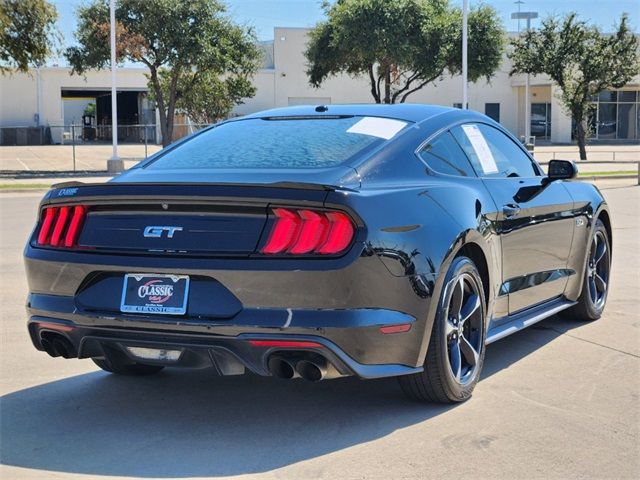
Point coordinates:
[[61, 226], [155, 353], [299, 232]]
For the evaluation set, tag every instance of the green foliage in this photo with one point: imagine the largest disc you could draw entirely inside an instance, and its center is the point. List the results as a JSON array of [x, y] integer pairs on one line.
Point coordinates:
[[27, 33], [185, 45], [580, 59], [90, 110], [207, 97], [402, 45]]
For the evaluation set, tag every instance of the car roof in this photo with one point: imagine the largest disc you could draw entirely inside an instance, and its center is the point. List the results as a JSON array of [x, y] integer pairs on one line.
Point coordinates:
[[411, 112]]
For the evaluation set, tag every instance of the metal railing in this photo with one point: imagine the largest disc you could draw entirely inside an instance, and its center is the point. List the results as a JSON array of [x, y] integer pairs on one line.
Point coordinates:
[[586, 176], [79, 147], [613, 155]]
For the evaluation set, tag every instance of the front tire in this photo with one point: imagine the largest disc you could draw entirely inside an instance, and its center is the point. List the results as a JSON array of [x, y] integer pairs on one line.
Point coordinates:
[[456, 348], [115, 361], [595, 284]]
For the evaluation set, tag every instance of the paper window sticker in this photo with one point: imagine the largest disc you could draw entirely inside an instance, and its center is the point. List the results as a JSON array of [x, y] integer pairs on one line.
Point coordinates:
[[480, 146], [377, 127]]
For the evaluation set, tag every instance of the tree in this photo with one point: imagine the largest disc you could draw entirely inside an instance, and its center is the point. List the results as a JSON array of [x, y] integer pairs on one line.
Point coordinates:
[[580, 59], [207, 97], [27, 33], [181, 43], [403, 45]]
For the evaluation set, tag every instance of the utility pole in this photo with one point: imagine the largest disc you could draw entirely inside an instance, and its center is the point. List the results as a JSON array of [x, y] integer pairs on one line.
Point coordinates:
[[528, 16], [518, 2], [115, 164], [465, 16]]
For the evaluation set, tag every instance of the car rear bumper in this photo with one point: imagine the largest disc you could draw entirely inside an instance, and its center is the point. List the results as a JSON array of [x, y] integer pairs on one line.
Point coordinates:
[[231, 349], [343, 304]]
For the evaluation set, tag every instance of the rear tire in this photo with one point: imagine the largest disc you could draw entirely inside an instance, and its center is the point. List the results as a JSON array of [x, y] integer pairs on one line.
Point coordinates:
[[595, 283], [456, 348], [115, 361]]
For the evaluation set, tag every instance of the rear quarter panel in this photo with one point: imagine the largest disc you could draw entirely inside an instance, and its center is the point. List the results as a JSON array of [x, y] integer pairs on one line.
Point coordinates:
[[418, 226], [589, 205]]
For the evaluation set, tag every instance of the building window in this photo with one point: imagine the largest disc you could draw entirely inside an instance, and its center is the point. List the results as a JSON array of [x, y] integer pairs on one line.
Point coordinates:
[[457, 105], [492, 110], [614, 115]]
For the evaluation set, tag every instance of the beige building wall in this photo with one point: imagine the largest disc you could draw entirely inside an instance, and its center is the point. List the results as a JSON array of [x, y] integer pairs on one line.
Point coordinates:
[[19, 92], [18, 100], [264, 97]]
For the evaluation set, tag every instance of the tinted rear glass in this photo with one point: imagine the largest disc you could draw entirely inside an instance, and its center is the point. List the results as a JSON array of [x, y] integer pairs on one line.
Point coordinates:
[[280, 143]]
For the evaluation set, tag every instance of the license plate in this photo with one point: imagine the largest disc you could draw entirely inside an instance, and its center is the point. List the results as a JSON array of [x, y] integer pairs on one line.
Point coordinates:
[[163, 294]]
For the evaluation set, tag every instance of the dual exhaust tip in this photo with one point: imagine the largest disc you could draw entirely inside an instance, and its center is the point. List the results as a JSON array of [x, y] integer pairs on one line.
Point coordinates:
[[57, 345], [313, 369]]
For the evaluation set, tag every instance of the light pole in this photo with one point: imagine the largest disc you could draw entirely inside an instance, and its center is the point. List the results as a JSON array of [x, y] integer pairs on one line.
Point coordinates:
[[527, 104], [115, 164], [518, 2], [465, 16]]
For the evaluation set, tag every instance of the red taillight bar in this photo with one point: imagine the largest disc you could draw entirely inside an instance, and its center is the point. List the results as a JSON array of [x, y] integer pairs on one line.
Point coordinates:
[[284, 231], [61, 226], [299, 232], [61, 222], [314, 231], [340, 235], [285, 343], [75, 226], [43, 235]]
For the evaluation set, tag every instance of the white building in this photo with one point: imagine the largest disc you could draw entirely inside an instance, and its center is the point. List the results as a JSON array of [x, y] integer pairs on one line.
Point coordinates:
[[52, 96]]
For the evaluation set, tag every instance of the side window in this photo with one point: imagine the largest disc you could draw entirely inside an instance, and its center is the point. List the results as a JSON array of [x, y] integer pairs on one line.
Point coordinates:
[[492, 153], [444, 155]]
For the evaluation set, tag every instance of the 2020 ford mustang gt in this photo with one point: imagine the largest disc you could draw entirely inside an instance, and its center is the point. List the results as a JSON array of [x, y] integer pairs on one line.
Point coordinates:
[[319, 242]]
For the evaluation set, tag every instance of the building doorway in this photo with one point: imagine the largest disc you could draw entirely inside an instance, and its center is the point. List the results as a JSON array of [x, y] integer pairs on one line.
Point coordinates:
[[541, 120], [136, 115]]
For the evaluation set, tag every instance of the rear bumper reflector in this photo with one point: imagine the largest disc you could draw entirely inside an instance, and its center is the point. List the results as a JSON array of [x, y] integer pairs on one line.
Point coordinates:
[[405, 327]]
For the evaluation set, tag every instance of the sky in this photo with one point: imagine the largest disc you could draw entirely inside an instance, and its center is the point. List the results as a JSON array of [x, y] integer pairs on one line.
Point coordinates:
[[264, 15]]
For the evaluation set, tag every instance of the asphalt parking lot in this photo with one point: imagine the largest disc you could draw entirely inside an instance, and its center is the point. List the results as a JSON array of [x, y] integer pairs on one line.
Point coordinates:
[[559, 400]]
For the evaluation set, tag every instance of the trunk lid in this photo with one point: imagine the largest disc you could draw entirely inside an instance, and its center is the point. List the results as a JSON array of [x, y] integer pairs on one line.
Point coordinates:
[[178, 219]]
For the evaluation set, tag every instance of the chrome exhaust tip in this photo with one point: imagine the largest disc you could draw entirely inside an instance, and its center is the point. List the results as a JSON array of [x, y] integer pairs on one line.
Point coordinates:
[[317, 369], [281, 368]]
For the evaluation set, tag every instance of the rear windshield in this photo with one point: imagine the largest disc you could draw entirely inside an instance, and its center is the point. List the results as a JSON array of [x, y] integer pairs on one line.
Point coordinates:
[[292, 142]]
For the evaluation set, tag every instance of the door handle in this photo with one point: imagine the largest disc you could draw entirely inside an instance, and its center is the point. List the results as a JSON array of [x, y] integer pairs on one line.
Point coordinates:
[[510, 210]]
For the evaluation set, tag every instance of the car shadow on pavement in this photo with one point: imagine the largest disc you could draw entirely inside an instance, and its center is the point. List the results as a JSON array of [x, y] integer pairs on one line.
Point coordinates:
[[195, 424]]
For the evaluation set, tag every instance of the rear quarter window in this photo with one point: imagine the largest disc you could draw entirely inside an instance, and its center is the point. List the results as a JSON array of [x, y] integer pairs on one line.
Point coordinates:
[[444, 155]]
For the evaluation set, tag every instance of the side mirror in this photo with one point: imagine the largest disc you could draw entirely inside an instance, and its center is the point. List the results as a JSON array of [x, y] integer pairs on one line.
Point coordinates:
[[562, 170]]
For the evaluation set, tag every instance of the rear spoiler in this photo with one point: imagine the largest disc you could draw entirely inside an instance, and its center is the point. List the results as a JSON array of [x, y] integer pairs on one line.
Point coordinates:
[[236, 193], [292, 185]]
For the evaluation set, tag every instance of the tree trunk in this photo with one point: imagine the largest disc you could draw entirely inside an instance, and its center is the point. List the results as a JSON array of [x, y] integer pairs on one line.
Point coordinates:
[[374, 90], [166, 135], [581, 137], [171, 107], [387, 83]]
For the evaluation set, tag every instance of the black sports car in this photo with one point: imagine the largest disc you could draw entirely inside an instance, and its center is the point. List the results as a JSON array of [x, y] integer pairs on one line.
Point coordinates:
[[319, 242]]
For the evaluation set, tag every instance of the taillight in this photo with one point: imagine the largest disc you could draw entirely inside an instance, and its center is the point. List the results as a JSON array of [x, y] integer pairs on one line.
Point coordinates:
[[300, 232], [61, 226]]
